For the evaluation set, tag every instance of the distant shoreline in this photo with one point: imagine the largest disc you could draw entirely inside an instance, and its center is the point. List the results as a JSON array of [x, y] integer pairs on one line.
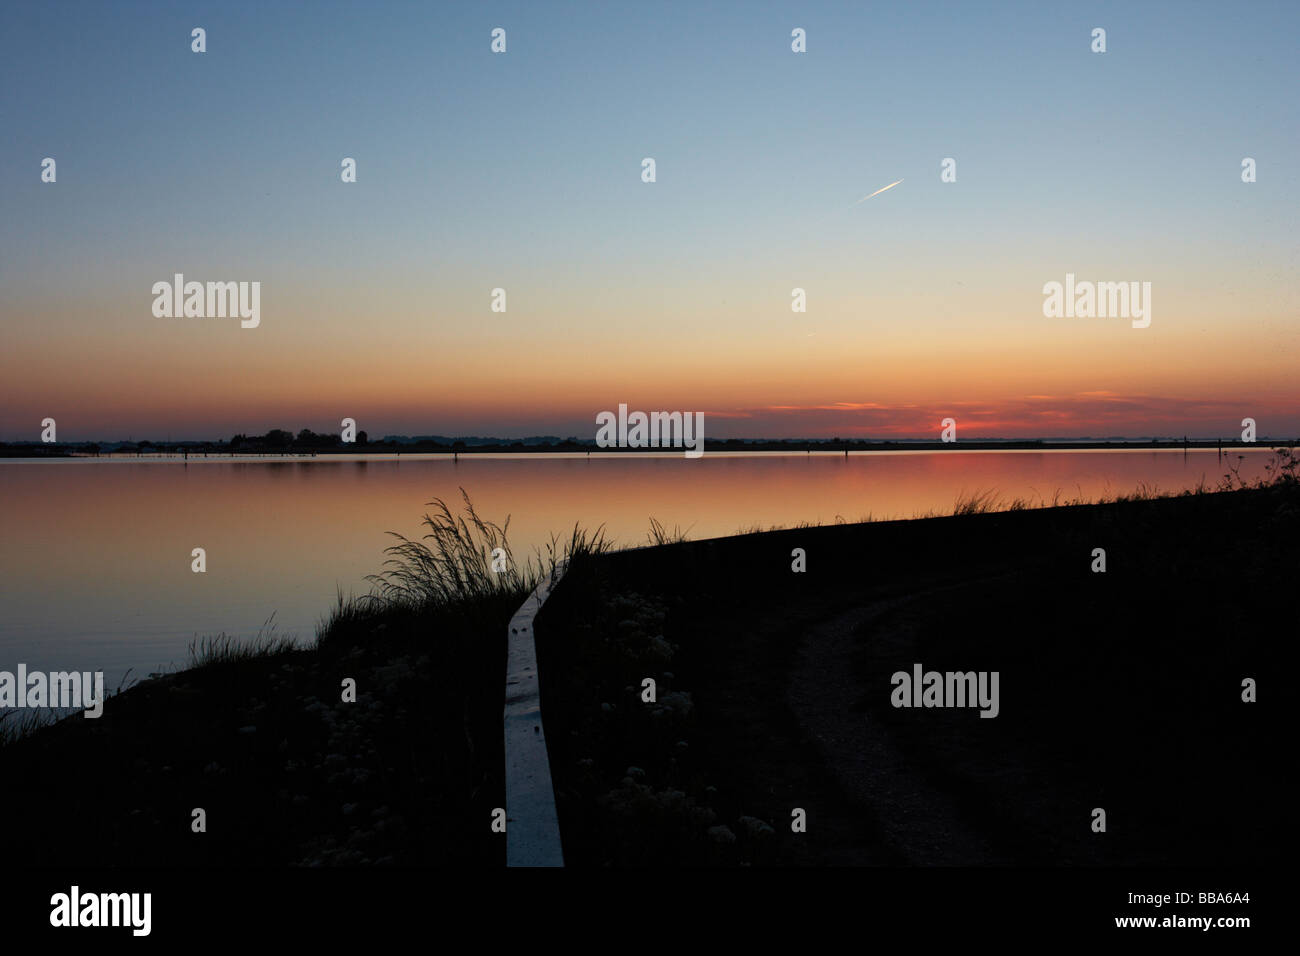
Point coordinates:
[[823, 446]]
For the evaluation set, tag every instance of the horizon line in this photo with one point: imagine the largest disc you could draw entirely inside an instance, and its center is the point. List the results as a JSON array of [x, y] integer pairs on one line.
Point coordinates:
[[538, 439]]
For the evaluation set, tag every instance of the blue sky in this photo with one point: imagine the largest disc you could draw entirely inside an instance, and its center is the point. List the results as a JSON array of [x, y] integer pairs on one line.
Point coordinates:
[[478, 170]]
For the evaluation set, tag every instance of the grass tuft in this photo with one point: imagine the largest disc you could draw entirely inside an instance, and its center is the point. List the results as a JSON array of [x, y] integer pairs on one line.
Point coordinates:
[[659, 535], [463, 566], [222, 648]]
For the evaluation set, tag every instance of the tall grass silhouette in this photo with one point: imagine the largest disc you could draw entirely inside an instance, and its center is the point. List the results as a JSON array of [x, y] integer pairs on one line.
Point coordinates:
[[462, 558], [462, 564]]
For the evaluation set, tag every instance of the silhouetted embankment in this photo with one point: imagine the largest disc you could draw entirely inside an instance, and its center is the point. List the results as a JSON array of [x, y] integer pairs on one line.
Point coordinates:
[[287, 772], [380, 744], [1119, 690]]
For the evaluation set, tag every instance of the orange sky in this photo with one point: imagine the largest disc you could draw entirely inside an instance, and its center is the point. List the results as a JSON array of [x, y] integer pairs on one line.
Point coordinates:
[[766, 373]]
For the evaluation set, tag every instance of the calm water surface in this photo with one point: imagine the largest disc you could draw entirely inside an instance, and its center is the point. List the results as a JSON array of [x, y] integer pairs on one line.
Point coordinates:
[[95, 559]]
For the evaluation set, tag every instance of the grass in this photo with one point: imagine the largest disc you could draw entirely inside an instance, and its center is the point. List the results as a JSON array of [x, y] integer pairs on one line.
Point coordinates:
[[659, 535], [17, 724], [463, 567], [465, 561], [219, 649], [1283, 469], [466, 558]]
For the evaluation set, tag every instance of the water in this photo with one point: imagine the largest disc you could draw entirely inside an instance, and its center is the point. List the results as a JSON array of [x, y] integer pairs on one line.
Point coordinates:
[[96, 554]]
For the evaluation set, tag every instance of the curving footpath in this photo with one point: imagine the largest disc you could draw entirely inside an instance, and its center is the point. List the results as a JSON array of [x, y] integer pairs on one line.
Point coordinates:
[[532, 826]]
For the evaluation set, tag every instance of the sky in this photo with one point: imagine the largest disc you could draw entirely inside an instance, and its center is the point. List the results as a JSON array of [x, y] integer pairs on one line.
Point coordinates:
[[522, 170]]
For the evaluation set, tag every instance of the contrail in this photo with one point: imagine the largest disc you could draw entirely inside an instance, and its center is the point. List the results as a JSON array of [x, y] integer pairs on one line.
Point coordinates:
[[876, 193]]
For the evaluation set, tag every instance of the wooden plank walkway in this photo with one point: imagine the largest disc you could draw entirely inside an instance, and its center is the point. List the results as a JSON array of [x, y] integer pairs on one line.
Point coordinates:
[[532, 826]]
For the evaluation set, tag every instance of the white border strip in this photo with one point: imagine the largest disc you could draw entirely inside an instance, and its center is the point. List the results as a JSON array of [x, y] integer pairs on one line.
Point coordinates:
[[532, 826]]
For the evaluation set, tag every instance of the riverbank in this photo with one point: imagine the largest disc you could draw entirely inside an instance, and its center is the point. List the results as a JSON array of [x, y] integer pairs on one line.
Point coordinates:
[[378, 745], [1119, 690], [285, 769]]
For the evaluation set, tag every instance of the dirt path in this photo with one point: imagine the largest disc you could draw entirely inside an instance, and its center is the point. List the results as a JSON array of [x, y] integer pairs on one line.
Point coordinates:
[[918, 823]]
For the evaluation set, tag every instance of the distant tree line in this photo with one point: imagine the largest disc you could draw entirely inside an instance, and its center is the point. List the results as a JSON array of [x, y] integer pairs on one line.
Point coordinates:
[[277, 439]]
